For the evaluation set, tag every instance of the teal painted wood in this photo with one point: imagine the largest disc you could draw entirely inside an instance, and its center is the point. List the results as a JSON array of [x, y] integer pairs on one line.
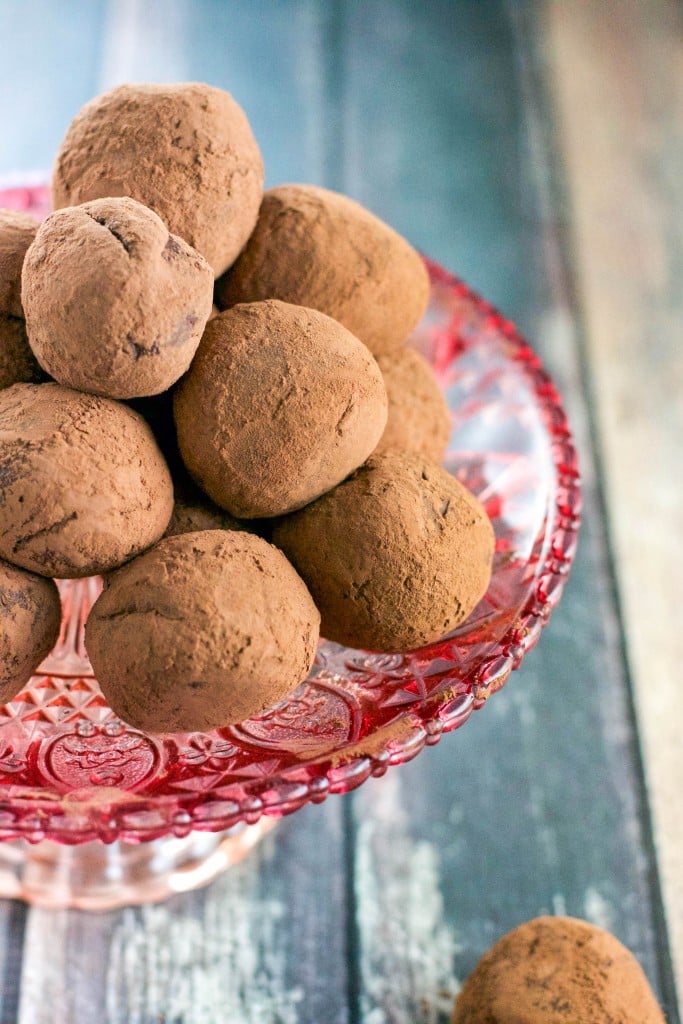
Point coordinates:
[[264, 943], [432, 139], [49, 58]]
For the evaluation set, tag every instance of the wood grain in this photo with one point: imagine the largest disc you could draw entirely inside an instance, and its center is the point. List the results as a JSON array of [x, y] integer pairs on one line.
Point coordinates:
[[618, 79], [263, 943]]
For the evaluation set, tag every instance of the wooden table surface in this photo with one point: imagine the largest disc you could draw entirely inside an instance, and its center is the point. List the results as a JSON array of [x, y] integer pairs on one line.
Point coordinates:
[[536, 149]]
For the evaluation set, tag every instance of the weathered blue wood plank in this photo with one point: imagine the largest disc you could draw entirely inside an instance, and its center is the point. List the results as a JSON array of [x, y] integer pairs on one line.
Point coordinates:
[[431, 136], [262, 943], [49, 59]]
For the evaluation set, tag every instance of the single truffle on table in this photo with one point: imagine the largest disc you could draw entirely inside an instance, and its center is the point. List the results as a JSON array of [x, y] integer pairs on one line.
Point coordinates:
[[279, 405], [396, 556], [114, 304], [185, 150], [320, 249], [30, 619], [557, 970], [418, 419], [84, 485], [17, 362], [204, 630]]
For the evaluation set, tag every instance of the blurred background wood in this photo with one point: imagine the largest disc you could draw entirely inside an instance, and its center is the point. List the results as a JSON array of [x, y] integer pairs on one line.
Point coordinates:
[[623, 165], [530, 147]]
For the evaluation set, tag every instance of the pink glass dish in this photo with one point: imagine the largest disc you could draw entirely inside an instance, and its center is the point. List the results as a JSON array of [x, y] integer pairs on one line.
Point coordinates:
[[71, 773]]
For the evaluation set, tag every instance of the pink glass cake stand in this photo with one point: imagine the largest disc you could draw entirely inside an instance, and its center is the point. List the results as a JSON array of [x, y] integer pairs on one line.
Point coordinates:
[[95, 814]]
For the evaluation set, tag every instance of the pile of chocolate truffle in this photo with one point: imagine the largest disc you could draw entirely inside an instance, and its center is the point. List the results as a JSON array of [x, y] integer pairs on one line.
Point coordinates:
[[151, 438]]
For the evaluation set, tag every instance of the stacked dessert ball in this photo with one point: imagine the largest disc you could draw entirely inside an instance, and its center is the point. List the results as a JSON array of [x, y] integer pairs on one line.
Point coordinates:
[[147, 436]]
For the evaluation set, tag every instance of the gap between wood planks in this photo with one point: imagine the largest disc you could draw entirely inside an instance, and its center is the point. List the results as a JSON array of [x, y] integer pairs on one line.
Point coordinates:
[[617, 80]]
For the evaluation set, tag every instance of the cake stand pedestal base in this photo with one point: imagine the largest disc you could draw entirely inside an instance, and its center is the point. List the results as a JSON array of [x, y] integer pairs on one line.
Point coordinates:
[[99, 876]]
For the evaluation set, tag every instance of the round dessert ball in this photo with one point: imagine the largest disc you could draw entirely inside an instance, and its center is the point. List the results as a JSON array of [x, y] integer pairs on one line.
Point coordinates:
[[17, 362], [17, 231], [418, 419], [557, 970], [204, 630], [114, 305], [279, 405], [30, 618], [396, 556], [84, 485], [185, 150], [320, 249]]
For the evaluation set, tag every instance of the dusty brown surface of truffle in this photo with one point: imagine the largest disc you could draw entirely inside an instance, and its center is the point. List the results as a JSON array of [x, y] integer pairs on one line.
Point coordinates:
[[114, 304], [17, 362], [418, 419], [396, 556], [30, 617], [204, 630], [280, 404], [17, 231], [185, 150], [320, 249], [84, 485], [557, 970]]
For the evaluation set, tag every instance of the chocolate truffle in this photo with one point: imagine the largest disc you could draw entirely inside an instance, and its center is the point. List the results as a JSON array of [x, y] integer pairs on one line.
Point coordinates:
[[114, 305], [557, 970], [17, 362], [204, 630], [418, 418], [84, 486], [185, 150], [320, 249], [30, 617], [396, 556], [280, 404]]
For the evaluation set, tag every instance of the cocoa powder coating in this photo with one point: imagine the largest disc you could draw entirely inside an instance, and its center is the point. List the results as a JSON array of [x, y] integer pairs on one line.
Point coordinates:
[[114, 304], [17, 362], [320, 249], [185, 150], [280, 404], [396, 556], [84, 486], [418, 419], [204, 630], [557, 970], [30, 618]]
